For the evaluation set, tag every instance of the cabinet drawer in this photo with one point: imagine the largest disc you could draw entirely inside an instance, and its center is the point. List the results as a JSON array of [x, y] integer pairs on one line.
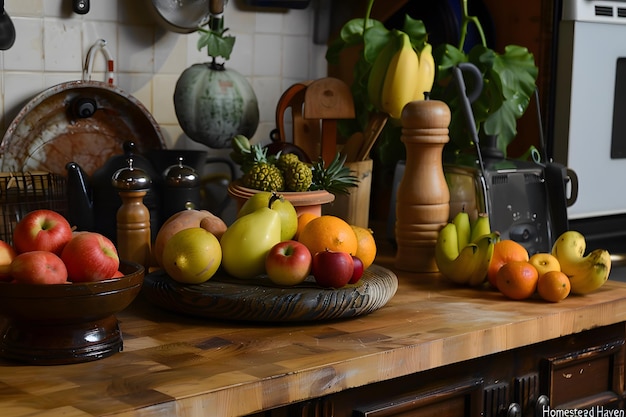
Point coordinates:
[[588, 376], [460, 399]]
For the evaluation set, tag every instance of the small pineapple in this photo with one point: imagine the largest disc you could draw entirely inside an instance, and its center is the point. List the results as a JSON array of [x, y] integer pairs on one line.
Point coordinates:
[[285, 160], [298, 177], [335, 179], [260, 171], [265, 177]]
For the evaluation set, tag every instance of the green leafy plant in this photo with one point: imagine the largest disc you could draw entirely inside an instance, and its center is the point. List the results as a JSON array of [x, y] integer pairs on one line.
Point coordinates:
[[509, 82], [371, 35]]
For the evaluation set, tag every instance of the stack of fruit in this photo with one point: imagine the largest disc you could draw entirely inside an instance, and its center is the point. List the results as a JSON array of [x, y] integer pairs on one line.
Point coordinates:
[[473, 255], [268, 238], [286, 172], [46, 251]]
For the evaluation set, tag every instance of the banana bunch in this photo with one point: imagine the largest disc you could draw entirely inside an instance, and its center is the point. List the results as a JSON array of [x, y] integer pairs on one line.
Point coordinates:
[[463, 251], [400, 75], [586, 273]]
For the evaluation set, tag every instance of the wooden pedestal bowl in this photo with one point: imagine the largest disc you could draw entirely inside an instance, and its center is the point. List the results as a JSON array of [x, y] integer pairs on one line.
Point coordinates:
[[65, 323], [306, 201]]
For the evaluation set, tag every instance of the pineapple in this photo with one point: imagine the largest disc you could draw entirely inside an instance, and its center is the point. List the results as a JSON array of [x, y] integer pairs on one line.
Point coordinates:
[[260, 171], [298, 177], [335, 179], [265, 177]]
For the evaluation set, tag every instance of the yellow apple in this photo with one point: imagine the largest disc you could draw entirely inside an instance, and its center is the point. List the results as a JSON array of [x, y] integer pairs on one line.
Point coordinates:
[[7, 254], [545, 262], [192, 255]]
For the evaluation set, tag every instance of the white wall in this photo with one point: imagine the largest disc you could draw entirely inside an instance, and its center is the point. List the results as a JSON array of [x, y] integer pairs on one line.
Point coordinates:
[[273, 50]]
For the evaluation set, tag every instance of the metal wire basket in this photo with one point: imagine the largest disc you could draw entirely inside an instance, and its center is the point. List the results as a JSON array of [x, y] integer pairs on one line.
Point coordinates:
[[23, 192]]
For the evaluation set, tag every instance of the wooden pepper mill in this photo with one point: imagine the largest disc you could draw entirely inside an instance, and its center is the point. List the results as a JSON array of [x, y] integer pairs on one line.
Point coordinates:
[[133, 217], [423, 197]]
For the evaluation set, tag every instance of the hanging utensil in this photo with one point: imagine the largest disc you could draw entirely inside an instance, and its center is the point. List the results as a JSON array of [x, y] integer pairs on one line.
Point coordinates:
[[7, 30], [181, 16]]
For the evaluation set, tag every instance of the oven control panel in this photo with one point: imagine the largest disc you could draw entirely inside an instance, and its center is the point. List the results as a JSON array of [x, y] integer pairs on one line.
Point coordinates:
[[601, 11]]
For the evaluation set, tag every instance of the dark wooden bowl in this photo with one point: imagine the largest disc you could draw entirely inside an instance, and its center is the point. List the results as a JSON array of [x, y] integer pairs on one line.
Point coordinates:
[[66, 323]]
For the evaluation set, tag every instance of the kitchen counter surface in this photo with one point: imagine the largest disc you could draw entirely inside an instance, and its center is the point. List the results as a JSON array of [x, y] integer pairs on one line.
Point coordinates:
[[178, 365]]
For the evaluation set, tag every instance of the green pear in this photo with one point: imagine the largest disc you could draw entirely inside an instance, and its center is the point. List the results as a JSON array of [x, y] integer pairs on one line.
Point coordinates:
[[286, 210], [247, 241]]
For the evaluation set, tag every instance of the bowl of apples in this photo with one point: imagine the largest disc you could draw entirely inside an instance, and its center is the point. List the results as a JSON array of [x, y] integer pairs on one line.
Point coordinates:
[[59, 305]]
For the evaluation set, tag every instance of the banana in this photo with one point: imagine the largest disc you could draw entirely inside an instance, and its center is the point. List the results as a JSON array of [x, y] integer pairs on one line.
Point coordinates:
[[426, 73], [592, 272], [467, 266], [400, 79], [463, 229], [569, 249], [586, 273], [376, 78], [485, 245], [480, 227]]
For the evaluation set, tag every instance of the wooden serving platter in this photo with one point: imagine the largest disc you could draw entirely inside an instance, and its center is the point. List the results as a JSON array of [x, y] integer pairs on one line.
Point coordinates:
[[259, 300]]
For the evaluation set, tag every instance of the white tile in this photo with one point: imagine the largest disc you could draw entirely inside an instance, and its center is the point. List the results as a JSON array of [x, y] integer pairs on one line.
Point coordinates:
[[269, 22], [298, 22], [238, 20], [57, 8], [242, 55], [137, 85], [62, 45], [104, 10], [27, 51], [135, 48], [162, 98], [318, 67], [268, 90], [19, 89], [24, 8], [267, 55], [295, 56], [51, 79], [170, 54]]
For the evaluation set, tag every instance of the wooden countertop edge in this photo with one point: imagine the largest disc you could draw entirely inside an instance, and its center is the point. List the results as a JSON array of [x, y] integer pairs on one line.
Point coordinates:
[[400, 360]]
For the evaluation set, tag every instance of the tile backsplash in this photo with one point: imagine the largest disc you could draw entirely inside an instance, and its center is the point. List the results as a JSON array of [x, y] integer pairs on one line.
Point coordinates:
[[273, 50]]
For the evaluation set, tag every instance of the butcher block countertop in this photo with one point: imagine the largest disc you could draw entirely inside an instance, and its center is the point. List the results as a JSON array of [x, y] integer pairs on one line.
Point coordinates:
[[180, 365]]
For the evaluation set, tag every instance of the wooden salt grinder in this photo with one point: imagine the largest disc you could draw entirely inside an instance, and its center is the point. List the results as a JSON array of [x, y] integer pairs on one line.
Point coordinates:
[[133, 217], [423, 197]]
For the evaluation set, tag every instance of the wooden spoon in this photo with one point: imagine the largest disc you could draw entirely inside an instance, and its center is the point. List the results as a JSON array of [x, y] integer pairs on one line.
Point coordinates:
[[372, 131]]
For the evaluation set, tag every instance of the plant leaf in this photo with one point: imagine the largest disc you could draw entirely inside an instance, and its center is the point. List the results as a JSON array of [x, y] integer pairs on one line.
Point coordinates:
[[216, 43]]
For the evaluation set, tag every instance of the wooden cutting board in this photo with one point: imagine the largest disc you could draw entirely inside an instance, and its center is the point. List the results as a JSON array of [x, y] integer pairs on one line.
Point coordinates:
[[259, 300]]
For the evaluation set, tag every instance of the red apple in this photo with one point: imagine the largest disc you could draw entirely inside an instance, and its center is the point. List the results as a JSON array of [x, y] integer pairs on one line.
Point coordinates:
[[90, 256], [332, 269], [288, 263], [42, 230], [118, 274], [358, 270], [7, 254], [38, 267]]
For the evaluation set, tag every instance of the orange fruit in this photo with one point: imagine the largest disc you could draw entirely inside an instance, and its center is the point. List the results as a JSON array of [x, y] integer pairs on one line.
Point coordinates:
[[517, 279], [303, 220], [366, 245], [505, 251], [329, 232], [553, 286]]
